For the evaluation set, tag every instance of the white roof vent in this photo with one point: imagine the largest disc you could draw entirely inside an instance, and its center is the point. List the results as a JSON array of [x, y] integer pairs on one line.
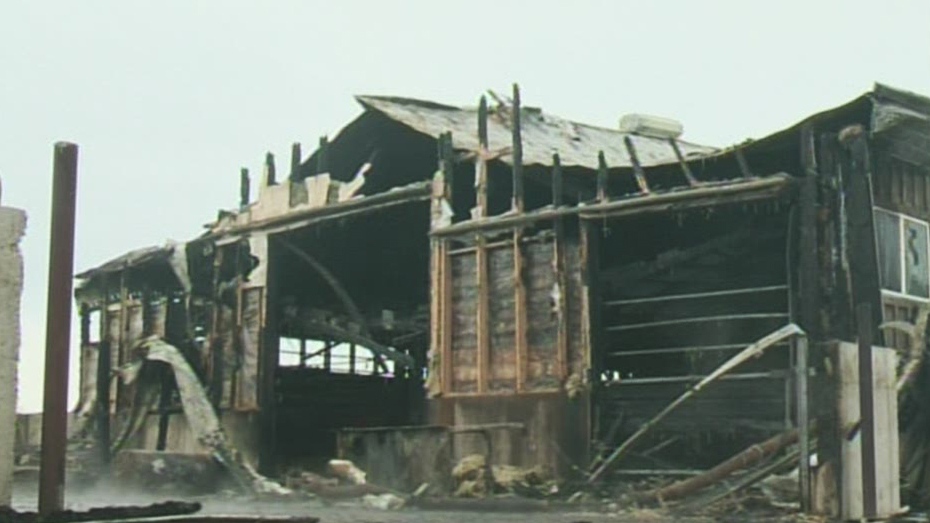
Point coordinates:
[[654, 126]]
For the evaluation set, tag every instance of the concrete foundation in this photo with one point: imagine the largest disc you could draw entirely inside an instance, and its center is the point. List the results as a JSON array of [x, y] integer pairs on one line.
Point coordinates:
[[12, 227]]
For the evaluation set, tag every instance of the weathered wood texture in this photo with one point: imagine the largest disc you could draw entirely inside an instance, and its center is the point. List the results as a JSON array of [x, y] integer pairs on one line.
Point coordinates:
[[901, 186], [535, 292]]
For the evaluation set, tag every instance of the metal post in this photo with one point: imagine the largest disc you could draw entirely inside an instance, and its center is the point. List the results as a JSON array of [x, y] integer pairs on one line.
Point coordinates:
[[58, 330], [801, 348], [867, 409]]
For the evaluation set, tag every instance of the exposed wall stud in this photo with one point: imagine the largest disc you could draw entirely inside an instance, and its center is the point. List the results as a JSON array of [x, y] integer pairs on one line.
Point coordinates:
[[517, 151]]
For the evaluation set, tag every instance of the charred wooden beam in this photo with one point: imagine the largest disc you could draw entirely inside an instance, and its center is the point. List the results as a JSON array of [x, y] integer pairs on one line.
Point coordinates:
[[244, 188], [446, 318], [558, 187], [685, 169], [517, 148], [323, 272], [482, 316], [415, 192], [270, 176], [322, 156], [295, 161], [104, 367], [803, 420], [558, 266], [862, 255], [751, 352], [520, 312], [745, 459], [808, 269], [638, 171], [707, 195], [867, 410], [601, 177], [481, 164]]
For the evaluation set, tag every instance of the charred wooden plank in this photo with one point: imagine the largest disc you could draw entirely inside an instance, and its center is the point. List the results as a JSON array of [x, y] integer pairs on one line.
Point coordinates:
[[601, 177], [322, 156], [244, 187], [517, 151], [638, 171], [520, 322], [270, 175], [685, 169], [558, 266]]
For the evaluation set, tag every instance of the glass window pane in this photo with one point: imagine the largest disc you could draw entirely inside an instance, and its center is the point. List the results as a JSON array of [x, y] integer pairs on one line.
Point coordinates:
[[915, 259], [888, 236]]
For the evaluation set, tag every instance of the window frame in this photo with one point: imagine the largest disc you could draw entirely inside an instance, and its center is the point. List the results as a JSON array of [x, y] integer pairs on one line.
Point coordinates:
[[902, 259]]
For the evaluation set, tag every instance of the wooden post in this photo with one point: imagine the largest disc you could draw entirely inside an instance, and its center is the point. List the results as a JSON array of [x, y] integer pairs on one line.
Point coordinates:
[[685, 169], [804, 470], [638, 171], [809, 278], [481, 252], [295, 161], [244, 188], [867, 410], [104, 366], [520, 322], [481, 165], [322, 160], [558, 265], [517, 151], [269, 169], [601, 177], [862, 255]]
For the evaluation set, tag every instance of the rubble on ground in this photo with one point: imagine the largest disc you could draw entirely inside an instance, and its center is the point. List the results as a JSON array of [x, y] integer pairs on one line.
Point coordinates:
[[470, 480]]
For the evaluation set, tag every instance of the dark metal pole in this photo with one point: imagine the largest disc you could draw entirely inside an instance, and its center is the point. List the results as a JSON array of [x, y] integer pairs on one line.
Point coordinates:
[[58, 330], [867, 410]]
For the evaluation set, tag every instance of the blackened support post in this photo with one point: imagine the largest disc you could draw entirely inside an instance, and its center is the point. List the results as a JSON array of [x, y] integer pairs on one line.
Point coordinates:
[[244, 188], [601, 177], [867, 410], [517, 151], [638, 171], [295, 161], [862, 255], [322, 162], [685, 169], [558, 266], [104, 364], [270, 176], [58, 330], [809, 278], [483, 320], [804, 466]]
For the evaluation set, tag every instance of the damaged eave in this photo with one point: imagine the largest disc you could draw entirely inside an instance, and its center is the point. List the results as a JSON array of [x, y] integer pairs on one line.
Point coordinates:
[[295, 220], [710, 194]]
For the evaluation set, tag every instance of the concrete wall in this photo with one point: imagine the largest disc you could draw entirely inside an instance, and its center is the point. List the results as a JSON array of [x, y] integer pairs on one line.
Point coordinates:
[[12, 227]]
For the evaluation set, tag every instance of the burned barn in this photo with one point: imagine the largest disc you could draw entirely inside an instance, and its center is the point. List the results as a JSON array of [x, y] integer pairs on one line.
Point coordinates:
[[500, 277]]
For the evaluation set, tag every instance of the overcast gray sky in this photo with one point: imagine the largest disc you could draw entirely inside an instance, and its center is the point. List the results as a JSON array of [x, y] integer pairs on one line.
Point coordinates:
[[168, 99]]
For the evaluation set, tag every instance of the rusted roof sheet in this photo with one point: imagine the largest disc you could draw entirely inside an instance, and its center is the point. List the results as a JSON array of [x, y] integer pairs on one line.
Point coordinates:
[[543, 134], [130, 259]]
